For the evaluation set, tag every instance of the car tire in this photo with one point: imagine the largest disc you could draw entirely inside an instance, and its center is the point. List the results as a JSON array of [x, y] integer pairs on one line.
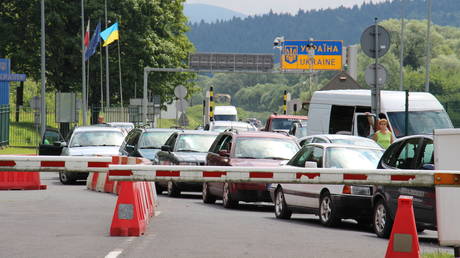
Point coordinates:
[[281, 209], [173, 191], [207, 196], [227, 199], [66, 178], [327, 212], [159, 189], [382, 220]]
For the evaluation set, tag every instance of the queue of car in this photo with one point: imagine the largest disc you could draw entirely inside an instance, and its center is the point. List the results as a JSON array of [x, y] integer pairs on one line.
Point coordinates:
[[241, 144]]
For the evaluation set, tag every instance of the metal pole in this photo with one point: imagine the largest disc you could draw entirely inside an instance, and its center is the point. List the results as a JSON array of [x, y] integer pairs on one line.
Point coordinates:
[[43, 79], [428, 49], [285, 102], [102, 77], [119, 73], [406, 111], [376, 94], [144, 100], [401, 52], [83, 68], [107, 65]]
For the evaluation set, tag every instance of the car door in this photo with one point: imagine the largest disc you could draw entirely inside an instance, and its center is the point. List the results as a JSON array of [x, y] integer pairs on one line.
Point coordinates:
[[51, 143], [304, 195], [214, 159], [403, 156], [166, 157]]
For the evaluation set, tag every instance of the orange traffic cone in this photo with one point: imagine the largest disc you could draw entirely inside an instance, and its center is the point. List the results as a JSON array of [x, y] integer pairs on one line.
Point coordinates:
[[404, 238]]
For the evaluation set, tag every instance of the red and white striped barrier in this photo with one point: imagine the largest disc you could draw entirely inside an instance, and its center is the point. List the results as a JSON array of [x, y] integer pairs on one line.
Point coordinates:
[[54, 163], [283, 175]]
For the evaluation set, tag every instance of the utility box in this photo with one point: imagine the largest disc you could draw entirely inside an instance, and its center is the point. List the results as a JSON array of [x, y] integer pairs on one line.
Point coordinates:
[[446, 142], [66, 107]]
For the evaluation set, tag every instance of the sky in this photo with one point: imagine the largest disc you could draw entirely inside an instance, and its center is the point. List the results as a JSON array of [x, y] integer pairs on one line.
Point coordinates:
[[252, 7]]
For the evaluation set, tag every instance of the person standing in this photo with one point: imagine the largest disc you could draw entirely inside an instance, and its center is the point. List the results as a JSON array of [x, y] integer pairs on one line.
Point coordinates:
[[383, 136]]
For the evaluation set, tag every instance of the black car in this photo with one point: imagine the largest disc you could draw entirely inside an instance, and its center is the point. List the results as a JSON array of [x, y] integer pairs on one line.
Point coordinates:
[[188, 147], [51, 143], [411, 152]]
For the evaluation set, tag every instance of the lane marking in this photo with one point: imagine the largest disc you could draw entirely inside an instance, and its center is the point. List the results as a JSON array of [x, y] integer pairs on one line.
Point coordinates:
[[114, 254]]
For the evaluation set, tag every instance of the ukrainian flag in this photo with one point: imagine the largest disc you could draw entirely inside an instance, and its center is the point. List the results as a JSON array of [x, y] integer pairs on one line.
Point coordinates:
[[110, 34]]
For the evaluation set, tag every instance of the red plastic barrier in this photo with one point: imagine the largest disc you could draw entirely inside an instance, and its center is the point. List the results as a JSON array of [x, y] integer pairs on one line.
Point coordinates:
[[20, 181], [404, 238], [133, 210]]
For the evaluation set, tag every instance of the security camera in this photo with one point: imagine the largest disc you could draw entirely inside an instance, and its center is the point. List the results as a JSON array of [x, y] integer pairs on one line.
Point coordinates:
[[277, 41]]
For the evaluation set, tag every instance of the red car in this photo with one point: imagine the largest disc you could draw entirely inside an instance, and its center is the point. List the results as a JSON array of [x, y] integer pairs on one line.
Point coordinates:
[[233, 148]]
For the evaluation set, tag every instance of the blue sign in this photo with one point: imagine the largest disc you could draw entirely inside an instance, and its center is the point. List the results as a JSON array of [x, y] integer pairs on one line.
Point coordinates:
[[4, 85], [12, 77], [312, 54]]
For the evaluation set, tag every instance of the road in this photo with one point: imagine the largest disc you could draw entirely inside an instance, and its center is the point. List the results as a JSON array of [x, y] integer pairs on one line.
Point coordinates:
[[70, 221]]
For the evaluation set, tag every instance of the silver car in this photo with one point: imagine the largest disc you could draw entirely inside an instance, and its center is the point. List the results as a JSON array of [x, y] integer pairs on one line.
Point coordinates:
[[330, 202], [90, 141], [338, 138]]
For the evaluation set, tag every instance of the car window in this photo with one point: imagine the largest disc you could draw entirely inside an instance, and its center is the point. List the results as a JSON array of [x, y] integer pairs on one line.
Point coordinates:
[[195, 142], [134, 138], [390, 156], [407, 154], [265, 148], [318, 140], [226, 143], [348, 157], [426, 153], [96, 138], [51, 137], [217, 143], [171, 140], [153, 139], [299, 159]]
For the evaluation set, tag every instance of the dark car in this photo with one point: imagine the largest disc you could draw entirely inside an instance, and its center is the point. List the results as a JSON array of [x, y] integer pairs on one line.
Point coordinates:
[[411, 152], [233, 148], [145, 142], [187, 147]]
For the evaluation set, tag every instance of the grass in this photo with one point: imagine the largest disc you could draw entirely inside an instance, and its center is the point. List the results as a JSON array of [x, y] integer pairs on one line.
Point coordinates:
[[437, 255], [17, 151]]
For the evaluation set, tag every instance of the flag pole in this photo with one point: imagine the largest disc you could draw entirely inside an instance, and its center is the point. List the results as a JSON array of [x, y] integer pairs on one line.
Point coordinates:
[[102, 77], [107, 65], [83, 76], [119, 71]]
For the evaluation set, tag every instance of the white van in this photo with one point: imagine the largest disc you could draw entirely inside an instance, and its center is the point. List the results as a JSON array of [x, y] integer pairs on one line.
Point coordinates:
[[225, 113], [343, 111]]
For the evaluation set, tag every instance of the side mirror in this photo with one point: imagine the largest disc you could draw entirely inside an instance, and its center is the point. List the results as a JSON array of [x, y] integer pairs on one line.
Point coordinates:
[[223, 153], [129, 148], [311, 164], [166, 148]]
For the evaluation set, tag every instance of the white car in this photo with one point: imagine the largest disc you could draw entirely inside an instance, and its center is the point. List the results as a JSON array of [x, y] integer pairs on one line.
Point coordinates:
[[90, 141], [339, 139], [330, 202], [220, 126]]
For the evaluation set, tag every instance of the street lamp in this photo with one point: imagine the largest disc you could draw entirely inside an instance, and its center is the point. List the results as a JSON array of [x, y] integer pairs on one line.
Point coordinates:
[[278, 43], [311, 60]]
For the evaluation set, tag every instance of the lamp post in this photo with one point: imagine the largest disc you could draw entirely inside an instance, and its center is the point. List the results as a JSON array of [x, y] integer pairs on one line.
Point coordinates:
[[278, 43], [311, 60], [43, 79]]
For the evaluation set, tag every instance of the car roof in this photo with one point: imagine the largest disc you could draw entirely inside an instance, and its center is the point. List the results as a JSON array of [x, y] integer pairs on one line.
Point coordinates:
[[161, 130], [260, 134], [97, 128], [335, 136], [287, 116], [330, 145], [231, 123], [427, 136], [197, 132]]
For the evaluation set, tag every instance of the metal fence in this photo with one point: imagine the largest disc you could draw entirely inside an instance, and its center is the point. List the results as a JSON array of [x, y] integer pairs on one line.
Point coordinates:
[[24, 123]]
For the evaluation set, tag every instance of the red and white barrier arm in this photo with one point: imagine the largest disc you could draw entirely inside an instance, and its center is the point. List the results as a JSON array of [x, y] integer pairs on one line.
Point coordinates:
[[282, 175], [54, 163]]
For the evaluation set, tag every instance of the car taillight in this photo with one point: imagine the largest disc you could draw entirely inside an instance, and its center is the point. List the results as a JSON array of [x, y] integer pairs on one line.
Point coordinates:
[[356, 190], [346, 189]]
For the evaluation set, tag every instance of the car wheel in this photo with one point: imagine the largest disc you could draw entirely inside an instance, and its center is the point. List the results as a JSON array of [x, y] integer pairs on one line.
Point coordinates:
[[173, 191], [158, 188], [382, 220], [327, 213], [281, 209], [227, 199], [65, 178], [207, 197]]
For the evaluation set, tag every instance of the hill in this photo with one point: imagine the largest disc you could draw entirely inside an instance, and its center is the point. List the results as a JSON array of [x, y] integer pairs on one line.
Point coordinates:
[[255, 34], [209, 13]]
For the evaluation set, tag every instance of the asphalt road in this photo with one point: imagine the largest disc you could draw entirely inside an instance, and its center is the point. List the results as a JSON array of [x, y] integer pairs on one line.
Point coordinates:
[[70, 221]]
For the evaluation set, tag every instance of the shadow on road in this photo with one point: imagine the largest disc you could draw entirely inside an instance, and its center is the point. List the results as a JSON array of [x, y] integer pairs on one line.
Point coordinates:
[[250, 207]]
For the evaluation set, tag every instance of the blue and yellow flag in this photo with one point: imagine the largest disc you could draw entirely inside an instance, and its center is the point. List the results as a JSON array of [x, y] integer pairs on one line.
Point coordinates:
[[110, 34]]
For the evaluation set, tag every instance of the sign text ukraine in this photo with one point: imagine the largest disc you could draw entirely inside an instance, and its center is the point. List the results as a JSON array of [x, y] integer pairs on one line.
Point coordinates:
[[315, 54]]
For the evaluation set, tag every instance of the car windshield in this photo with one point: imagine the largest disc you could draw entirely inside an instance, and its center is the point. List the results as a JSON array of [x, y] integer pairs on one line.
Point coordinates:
[[224, 117], [153, 140], [364, 142], [265, 148], [96, 138], [239, 128], [285, 123], [420, 122], [346, 157], [195, 142]]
